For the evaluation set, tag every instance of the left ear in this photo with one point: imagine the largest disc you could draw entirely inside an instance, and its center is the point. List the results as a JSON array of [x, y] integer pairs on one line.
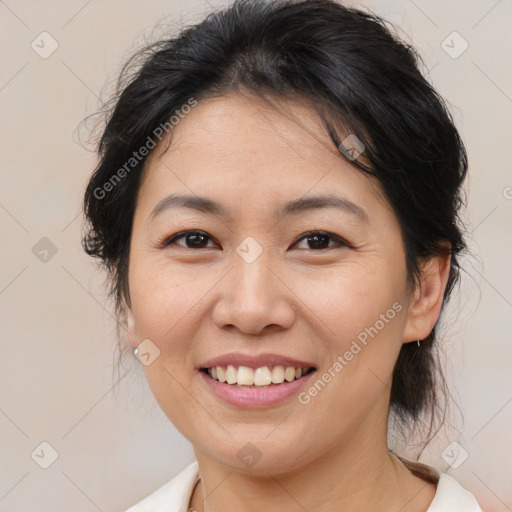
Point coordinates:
[[425, 306]]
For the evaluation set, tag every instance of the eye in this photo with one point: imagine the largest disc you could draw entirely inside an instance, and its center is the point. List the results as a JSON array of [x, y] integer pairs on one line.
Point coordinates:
[[193, 239], [318, 240]]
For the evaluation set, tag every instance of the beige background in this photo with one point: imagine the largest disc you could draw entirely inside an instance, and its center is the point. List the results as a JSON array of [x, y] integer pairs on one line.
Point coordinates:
[[57, 330]]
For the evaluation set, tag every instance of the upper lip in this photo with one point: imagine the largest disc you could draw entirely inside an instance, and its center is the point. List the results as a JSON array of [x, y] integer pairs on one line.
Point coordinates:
[[267, 359]]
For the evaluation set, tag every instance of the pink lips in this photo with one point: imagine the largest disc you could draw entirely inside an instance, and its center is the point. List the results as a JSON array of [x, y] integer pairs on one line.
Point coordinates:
[[267, 359], [262, 397], [255, 398]]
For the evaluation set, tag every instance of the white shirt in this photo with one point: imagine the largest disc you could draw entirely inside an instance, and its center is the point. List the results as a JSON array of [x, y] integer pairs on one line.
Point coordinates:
[[174, 496]]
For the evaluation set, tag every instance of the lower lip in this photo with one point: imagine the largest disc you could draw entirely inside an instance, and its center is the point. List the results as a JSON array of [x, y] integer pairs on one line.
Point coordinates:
[[248, 398]]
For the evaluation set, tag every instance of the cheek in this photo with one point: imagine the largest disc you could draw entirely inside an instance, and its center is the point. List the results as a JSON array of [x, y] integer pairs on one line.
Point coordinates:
[[167, 309], [359, 319], [359, 316], [164, 298], [351, 299]]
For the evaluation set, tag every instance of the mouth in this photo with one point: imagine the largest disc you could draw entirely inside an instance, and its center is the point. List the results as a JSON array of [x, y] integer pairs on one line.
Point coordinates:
[[255, 381], [256, 378]]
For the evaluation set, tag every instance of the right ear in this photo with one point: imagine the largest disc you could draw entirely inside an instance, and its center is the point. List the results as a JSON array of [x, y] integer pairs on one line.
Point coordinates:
[[132, 330]]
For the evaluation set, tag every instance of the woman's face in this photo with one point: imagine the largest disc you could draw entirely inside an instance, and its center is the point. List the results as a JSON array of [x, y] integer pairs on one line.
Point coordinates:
[[254, 285]]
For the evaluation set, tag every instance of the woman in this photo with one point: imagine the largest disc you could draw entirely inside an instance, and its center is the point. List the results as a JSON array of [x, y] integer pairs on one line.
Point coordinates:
[[277, 203]]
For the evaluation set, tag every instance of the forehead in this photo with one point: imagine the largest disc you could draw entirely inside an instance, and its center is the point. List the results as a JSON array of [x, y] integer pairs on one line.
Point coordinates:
[[241, 148]]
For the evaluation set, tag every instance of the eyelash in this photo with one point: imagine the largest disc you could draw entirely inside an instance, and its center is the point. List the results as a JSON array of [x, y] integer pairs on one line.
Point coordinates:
[[340, 241]]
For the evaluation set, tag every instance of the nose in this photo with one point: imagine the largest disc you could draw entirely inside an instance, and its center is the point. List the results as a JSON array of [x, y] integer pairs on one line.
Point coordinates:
[[254, 297]]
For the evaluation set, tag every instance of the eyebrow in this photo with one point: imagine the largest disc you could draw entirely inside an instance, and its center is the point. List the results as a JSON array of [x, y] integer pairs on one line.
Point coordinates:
[[206, 205]]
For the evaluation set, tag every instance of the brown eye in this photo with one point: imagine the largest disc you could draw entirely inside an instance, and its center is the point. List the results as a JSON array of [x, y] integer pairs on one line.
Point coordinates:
[[193, 240], [318, 240]]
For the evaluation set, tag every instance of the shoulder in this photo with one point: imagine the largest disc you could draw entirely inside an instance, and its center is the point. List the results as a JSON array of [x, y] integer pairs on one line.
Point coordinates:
[[452, 497], [175, 492]]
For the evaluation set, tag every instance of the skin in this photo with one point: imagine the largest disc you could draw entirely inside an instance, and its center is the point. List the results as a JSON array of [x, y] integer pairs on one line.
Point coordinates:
[[311, 303]]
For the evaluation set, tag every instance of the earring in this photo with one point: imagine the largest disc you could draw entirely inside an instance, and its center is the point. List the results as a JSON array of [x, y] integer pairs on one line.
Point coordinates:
[[418, 342]]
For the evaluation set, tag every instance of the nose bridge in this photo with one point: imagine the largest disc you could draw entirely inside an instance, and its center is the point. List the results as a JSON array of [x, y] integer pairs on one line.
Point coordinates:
[[252, 279], [254, 296]]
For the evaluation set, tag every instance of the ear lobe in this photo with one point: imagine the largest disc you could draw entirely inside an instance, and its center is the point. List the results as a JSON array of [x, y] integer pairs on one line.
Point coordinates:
[[425, 307], [132, 331]]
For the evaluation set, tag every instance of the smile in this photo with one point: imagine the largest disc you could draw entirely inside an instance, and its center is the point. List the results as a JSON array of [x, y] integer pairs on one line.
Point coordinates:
[[226, 383], [262, 377]]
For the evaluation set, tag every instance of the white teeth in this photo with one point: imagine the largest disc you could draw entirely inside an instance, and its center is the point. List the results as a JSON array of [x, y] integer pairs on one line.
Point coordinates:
[[231, 374], [263, 376], [277, 374], [245, 376], [221, 374], [289, 373]]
